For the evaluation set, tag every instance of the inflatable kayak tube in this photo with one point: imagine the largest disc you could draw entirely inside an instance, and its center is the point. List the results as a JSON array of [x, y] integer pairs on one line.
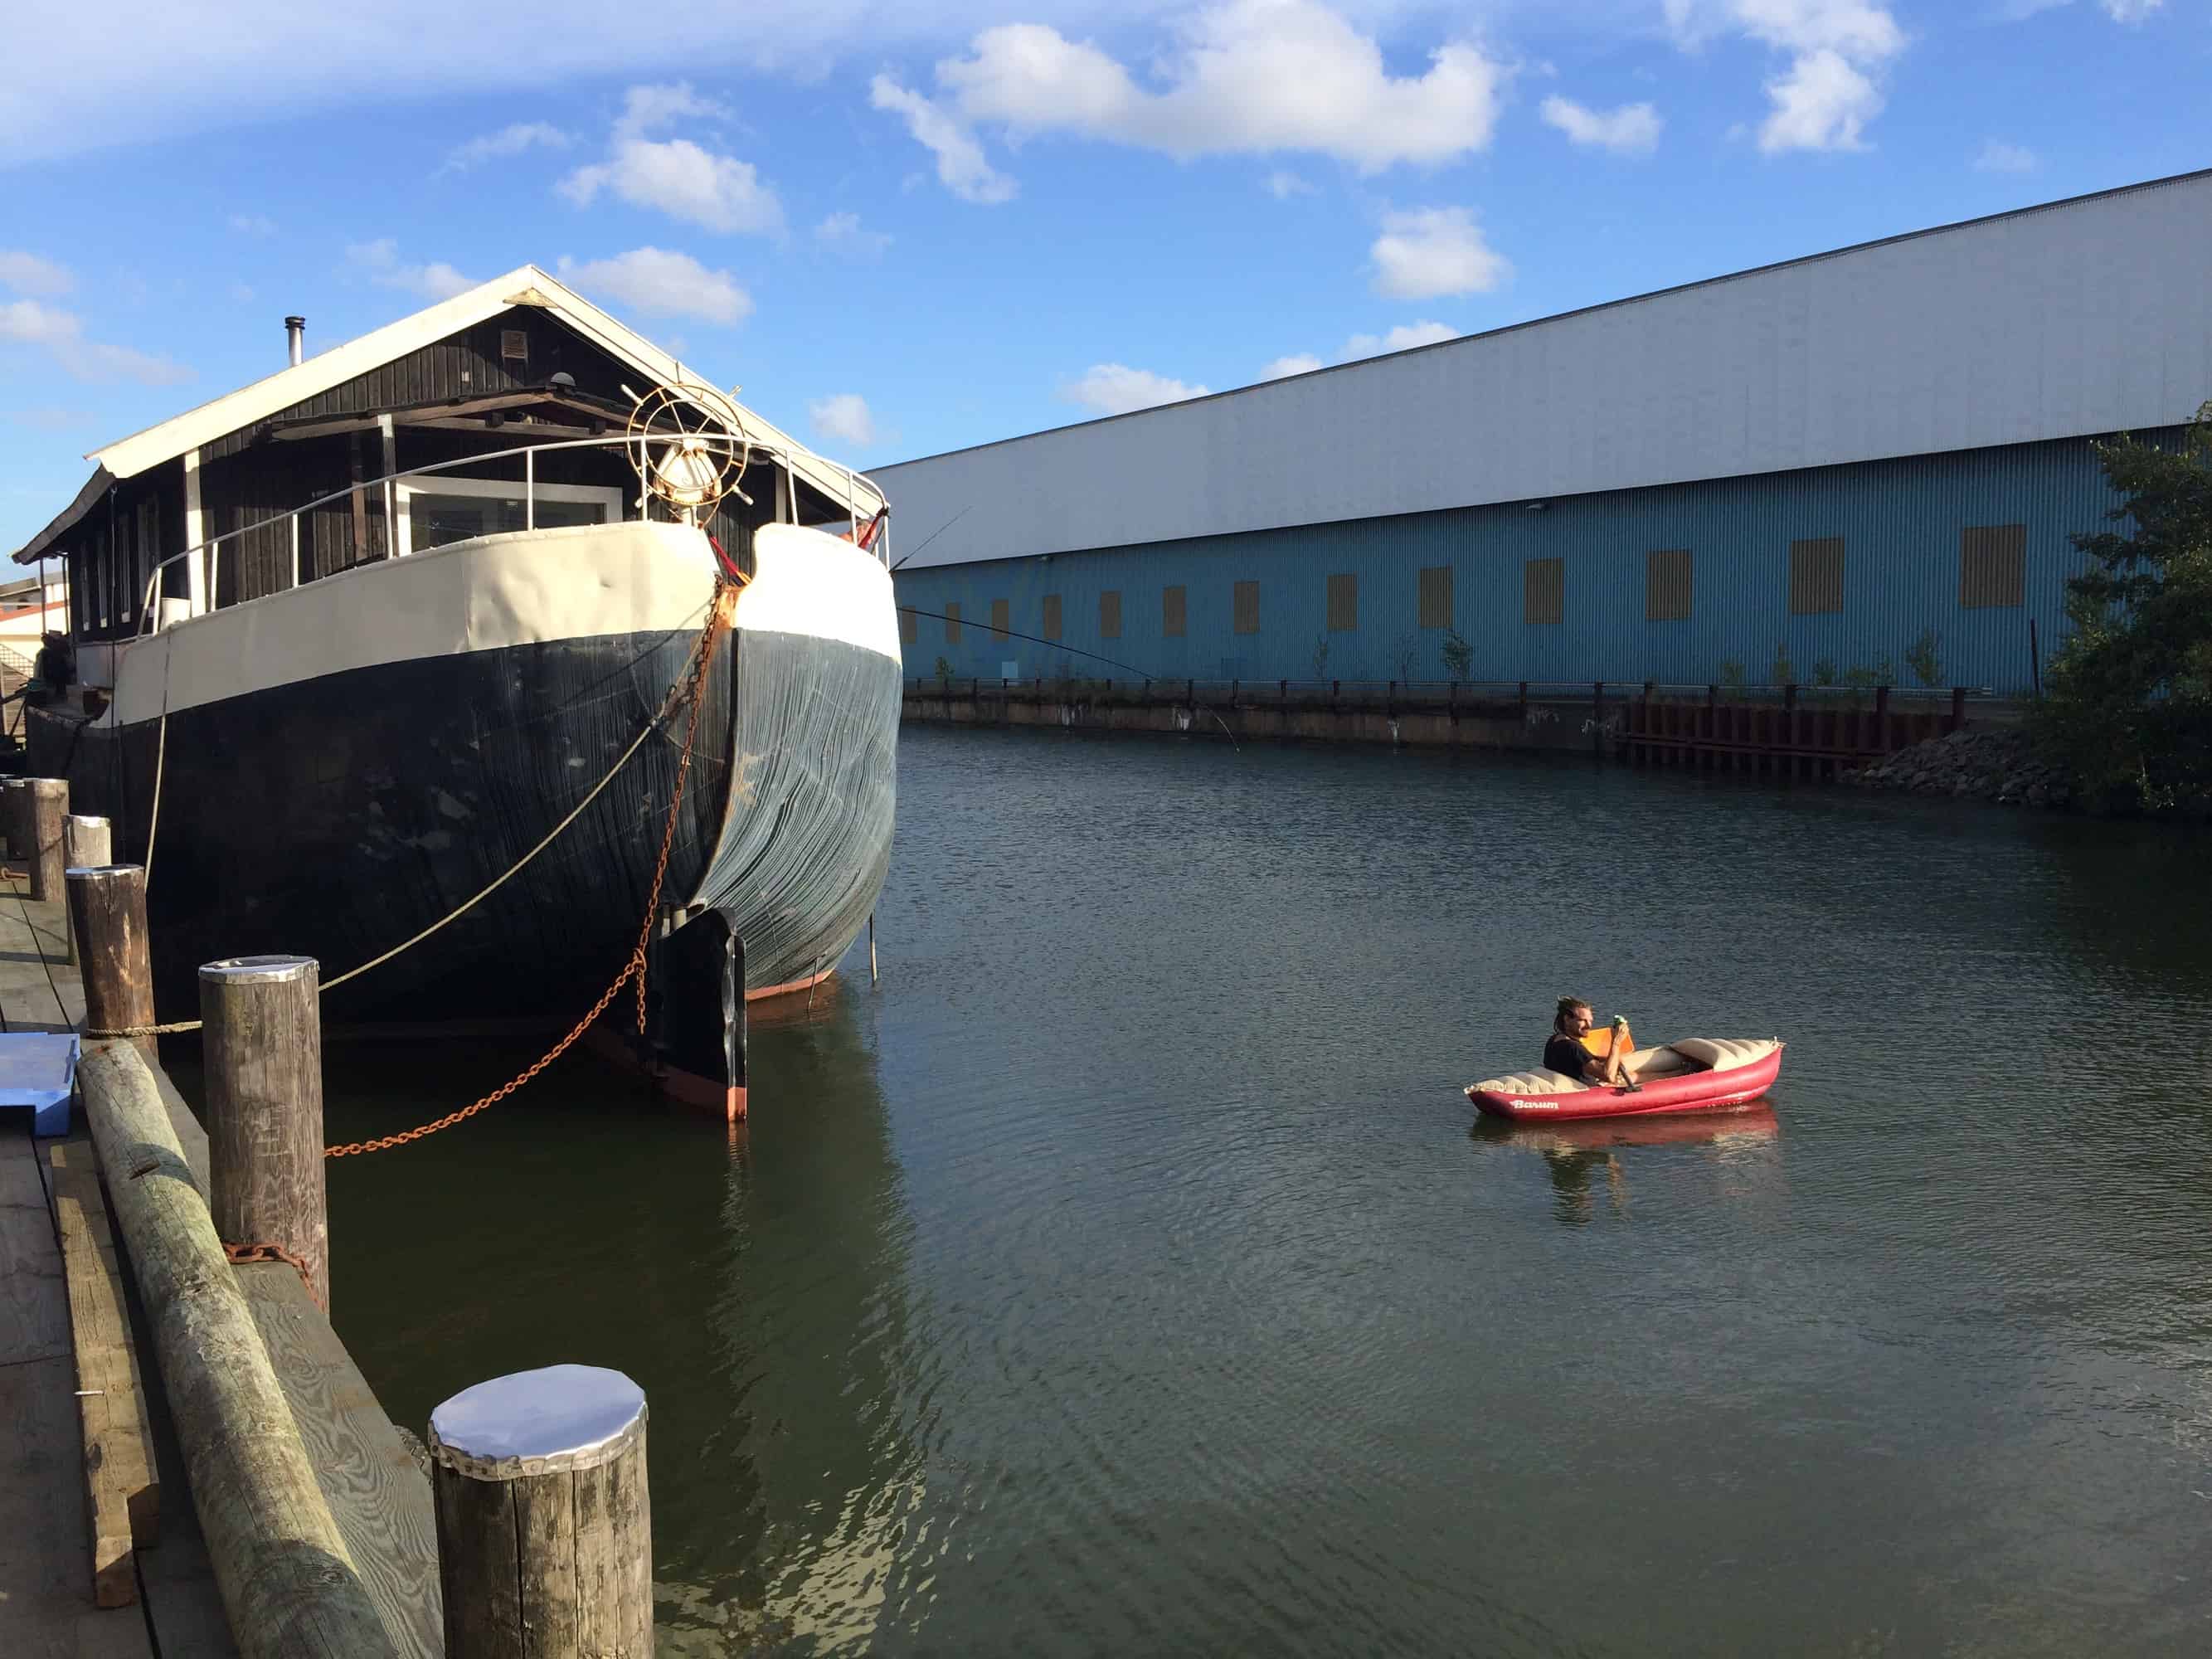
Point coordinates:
[[1697, 1074]]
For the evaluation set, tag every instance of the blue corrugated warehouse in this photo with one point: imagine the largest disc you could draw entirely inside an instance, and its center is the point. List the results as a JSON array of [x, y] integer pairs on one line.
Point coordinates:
[[1863, 466]]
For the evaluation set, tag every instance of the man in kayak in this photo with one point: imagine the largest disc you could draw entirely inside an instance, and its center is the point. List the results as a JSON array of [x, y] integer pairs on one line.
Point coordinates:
[[1573, 1049]]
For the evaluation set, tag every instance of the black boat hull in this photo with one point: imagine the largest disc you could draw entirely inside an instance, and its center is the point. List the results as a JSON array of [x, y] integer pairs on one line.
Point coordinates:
[[340, 815]]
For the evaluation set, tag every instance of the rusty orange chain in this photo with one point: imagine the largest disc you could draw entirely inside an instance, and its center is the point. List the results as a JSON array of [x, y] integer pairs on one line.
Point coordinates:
[[696, 691]]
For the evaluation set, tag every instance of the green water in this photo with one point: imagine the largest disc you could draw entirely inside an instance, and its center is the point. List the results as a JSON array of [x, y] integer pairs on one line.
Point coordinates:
[[1123, 1274]]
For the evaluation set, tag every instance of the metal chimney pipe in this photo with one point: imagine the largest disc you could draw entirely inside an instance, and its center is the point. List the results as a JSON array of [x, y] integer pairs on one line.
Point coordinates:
[[295, 335]]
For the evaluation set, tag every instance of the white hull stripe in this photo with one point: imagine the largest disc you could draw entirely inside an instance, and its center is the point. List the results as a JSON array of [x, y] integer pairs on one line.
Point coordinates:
[[527, 587]]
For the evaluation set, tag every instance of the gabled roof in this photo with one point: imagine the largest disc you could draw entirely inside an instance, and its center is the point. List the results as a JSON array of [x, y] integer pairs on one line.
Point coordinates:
[[526, 285]]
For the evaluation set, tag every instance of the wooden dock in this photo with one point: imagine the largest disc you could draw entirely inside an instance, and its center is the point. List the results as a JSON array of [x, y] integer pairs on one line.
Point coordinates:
[[101, 1554]]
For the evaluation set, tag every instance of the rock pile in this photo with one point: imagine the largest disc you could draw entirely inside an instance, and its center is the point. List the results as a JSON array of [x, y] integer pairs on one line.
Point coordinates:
[[1996, 765]]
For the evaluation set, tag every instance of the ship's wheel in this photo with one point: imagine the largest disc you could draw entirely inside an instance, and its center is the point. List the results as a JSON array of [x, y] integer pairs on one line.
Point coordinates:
[[688, 445]]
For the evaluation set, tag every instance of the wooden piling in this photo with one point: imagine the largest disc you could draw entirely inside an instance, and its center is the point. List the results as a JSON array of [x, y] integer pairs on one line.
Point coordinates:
[[289, 1589], [43, 816], [544, 1526], [263, 1040], [85, 843], [14, 799], [107, 919]]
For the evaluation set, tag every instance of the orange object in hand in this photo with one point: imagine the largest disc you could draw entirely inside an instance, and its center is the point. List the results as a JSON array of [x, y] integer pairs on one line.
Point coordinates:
[[1600, 1043]]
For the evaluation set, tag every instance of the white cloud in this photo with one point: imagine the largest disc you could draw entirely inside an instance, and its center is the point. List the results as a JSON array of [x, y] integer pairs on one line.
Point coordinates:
[[1425, 252], [649, 108], [1244, 77], [26, 273], [61, 334], [241, 292], [2130, 11], [843, 416], [1631, 129], [1821, 103], [681, 179], [1404, 337], [1283, 185], [1999, 157], [1830, 89], [843, 232], [1115, 389], [380, 262], [678, 176], [960, 166], [661, 283], [253, 224], [511, 140]]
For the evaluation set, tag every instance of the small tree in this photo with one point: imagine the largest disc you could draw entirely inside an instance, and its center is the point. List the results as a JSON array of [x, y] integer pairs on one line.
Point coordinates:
[[1924, 657], [1458, 655], [1321, 656], [1405, 654], [943, 671], [2130, 709], [1784, 671]]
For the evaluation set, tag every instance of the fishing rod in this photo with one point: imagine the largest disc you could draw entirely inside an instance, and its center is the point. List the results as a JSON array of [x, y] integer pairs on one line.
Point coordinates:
[[1011, 634], [939, 530], [1072, 650]]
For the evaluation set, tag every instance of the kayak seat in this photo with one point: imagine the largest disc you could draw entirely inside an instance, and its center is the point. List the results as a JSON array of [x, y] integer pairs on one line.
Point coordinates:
[[1726, 1054]]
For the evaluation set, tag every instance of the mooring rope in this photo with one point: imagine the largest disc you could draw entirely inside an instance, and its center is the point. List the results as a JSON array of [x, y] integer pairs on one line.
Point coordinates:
[[693, 678], [634, 969]]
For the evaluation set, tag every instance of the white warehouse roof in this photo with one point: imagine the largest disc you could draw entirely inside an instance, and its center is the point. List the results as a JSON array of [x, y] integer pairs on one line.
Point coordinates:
[[2085, 316]]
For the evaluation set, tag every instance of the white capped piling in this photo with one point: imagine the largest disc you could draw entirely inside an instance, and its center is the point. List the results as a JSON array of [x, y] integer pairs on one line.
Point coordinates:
[[545, 1527], [85, 843]]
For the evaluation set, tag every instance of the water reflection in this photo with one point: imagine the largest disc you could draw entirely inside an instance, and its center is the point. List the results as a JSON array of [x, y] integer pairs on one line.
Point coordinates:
[[1583, 1160], [808, 1331], [752, 1280]]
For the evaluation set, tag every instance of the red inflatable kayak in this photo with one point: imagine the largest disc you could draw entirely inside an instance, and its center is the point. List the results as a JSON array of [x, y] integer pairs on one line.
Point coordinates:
[[1696, 1074]]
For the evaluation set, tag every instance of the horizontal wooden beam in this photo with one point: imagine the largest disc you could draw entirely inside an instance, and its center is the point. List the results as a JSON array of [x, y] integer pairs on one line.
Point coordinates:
[[123, 1497], [290, 1586]]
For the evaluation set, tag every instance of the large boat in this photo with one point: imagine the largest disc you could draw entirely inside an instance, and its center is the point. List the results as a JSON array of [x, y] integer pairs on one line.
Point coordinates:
[[354, 640]]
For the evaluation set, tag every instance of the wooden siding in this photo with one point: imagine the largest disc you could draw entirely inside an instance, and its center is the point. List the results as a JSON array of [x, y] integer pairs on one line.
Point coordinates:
[[113, 550], [1667, 577], [467, 364], [1343, 605]]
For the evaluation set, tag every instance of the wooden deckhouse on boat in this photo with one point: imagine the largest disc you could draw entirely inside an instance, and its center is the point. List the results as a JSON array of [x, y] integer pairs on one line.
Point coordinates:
[[354, 639]]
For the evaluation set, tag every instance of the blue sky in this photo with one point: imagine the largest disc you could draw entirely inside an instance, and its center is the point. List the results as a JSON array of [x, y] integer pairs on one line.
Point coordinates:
[[905, 232]]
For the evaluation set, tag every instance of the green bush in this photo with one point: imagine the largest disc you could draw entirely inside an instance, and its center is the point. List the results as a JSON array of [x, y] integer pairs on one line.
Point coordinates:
[[1458, 655], [2129, 708], [1924, 657]]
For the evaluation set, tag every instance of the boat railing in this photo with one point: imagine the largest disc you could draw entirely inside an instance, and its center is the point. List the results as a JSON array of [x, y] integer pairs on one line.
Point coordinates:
[[211, 551]]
